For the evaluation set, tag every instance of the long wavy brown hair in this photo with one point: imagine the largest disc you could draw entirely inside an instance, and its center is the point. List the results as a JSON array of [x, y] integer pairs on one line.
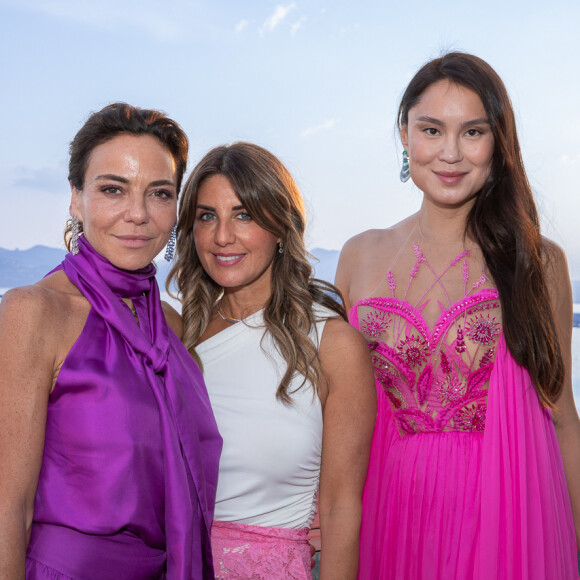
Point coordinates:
[[270, 196], [504, 222]]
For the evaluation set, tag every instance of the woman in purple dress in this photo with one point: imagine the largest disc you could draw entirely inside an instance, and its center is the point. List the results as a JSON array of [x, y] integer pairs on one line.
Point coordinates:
[[108, 446]]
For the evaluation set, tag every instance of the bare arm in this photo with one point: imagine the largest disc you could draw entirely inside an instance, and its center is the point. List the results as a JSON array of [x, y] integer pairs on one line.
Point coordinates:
[[26, 371], [349, 418], [566, 418]]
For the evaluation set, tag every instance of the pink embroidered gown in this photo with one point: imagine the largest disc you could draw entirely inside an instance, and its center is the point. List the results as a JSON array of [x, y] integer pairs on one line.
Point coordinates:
[[466, 477]]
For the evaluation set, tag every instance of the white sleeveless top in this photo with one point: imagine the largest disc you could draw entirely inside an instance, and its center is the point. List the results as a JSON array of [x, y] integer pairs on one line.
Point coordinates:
[[270, 463]]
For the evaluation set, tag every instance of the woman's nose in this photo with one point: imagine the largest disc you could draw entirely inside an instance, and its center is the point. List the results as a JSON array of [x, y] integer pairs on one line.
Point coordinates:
[[224, 233], [451, 149], [137, 211]]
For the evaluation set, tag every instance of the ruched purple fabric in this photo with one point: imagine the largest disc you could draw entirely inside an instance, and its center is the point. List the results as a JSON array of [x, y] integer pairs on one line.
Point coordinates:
[[130, 464]]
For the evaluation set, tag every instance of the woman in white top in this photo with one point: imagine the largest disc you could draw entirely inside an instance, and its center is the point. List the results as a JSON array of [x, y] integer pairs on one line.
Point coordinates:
[[290, 381]]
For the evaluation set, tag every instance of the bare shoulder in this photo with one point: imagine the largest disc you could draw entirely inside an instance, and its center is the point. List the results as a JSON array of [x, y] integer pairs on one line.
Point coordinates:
[[364, 239], [365, 258], [360, 254], [44, 319], [381, 240], [364, 244], [29, 305], [173, 319], [339, 336], [31, 332], [557, 274], [53, 297], [554, 258]]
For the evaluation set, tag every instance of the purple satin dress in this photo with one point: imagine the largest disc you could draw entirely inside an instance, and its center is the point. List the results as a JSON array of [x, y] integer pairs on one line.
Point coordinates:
[[128, 479]]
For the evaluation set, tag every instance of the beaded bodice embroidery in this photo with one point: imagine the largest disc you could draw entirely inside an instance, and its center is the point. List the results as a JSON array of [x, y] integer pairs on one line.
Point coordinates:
[[435, 379]]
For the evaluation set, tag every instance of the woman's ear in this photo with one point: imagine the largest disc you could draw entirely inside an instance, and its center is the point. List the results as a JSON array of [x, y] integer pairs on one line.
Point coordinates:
[[74, 202], [404, 134]]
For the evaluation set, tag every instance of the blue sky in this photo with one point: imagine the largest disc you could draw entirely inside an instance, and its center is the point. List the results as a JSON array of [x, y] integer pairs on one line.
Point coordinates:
[[317, 82]]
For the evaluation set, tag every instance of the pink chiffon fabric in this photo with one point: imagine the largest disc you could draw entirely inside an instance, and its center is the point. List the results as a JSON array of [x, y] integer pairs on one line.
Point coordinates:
[[527, 530], [244, 552], [461, 505]]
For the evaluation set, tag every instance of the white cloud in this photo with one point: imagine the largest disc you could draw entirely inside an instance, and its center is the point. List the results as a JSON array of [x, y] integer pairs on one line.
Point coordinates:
[[294, 28], [569, 159], [241, 25], [324, 126], [277, 17]]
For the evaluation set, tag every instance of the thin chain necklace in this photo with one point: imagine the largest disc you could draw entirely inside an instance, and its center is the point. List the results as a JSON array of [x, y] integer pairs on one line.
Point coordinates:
[[224, 316], [133, 310]]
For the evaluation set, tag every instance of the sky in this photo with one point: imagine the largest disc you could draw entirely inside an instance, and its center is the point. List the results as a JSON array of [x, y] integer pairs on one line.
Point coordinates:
[[316, 82]]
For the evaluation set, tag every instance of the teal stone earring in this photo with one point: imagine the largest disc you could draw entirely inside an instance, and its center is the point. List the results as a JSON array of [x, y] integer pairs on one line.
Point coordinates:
[[405, 172]]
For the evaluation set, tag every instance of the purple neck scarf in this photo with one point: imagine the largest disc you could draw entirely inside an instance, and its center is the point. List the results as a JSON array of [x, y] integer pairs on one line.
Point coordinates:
[[191, 443], [103, 285]]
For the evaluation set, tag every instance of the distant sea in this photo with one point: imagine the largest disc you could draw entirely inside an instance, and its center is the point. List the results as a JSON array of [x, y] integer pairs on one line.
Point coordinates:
[[576, 362], [575, 349], [576, 365]]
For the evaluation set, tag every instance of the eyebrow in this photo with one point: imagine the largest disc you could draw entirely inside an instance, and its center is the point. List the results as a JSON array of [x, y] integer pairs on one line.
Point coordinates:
[[210, 208], [161, 182], [113, 177], [427, 119]]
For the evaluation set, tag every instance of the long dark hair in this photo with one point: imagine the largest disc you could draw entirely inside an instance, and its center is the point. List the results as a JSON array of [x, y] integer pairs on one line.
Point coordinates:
[[504, 222], [270, 195]]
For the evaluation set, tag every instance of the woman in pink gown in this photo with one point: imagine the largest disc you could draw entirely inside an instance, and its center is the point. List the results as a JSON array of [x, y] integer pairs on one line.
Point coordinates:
[[467, 309]]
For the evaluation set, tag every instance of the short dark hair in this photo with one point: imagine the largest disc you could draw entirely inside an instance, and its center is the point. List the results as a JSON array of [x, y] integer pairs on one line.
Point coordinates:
[[123, 119], [118, 119]]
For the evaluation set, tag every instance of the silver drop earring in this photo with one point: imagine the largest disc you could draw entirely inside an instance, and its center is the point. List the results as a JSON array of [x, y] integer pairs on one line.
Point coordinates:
[[170, 249], [74, 238], [281, 247], [405, 172]]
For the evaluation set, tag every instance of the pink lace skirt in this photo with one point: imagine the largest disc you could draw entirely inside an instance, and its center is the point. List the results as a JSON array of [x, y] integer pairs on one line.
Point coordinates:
[[243, 552]]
